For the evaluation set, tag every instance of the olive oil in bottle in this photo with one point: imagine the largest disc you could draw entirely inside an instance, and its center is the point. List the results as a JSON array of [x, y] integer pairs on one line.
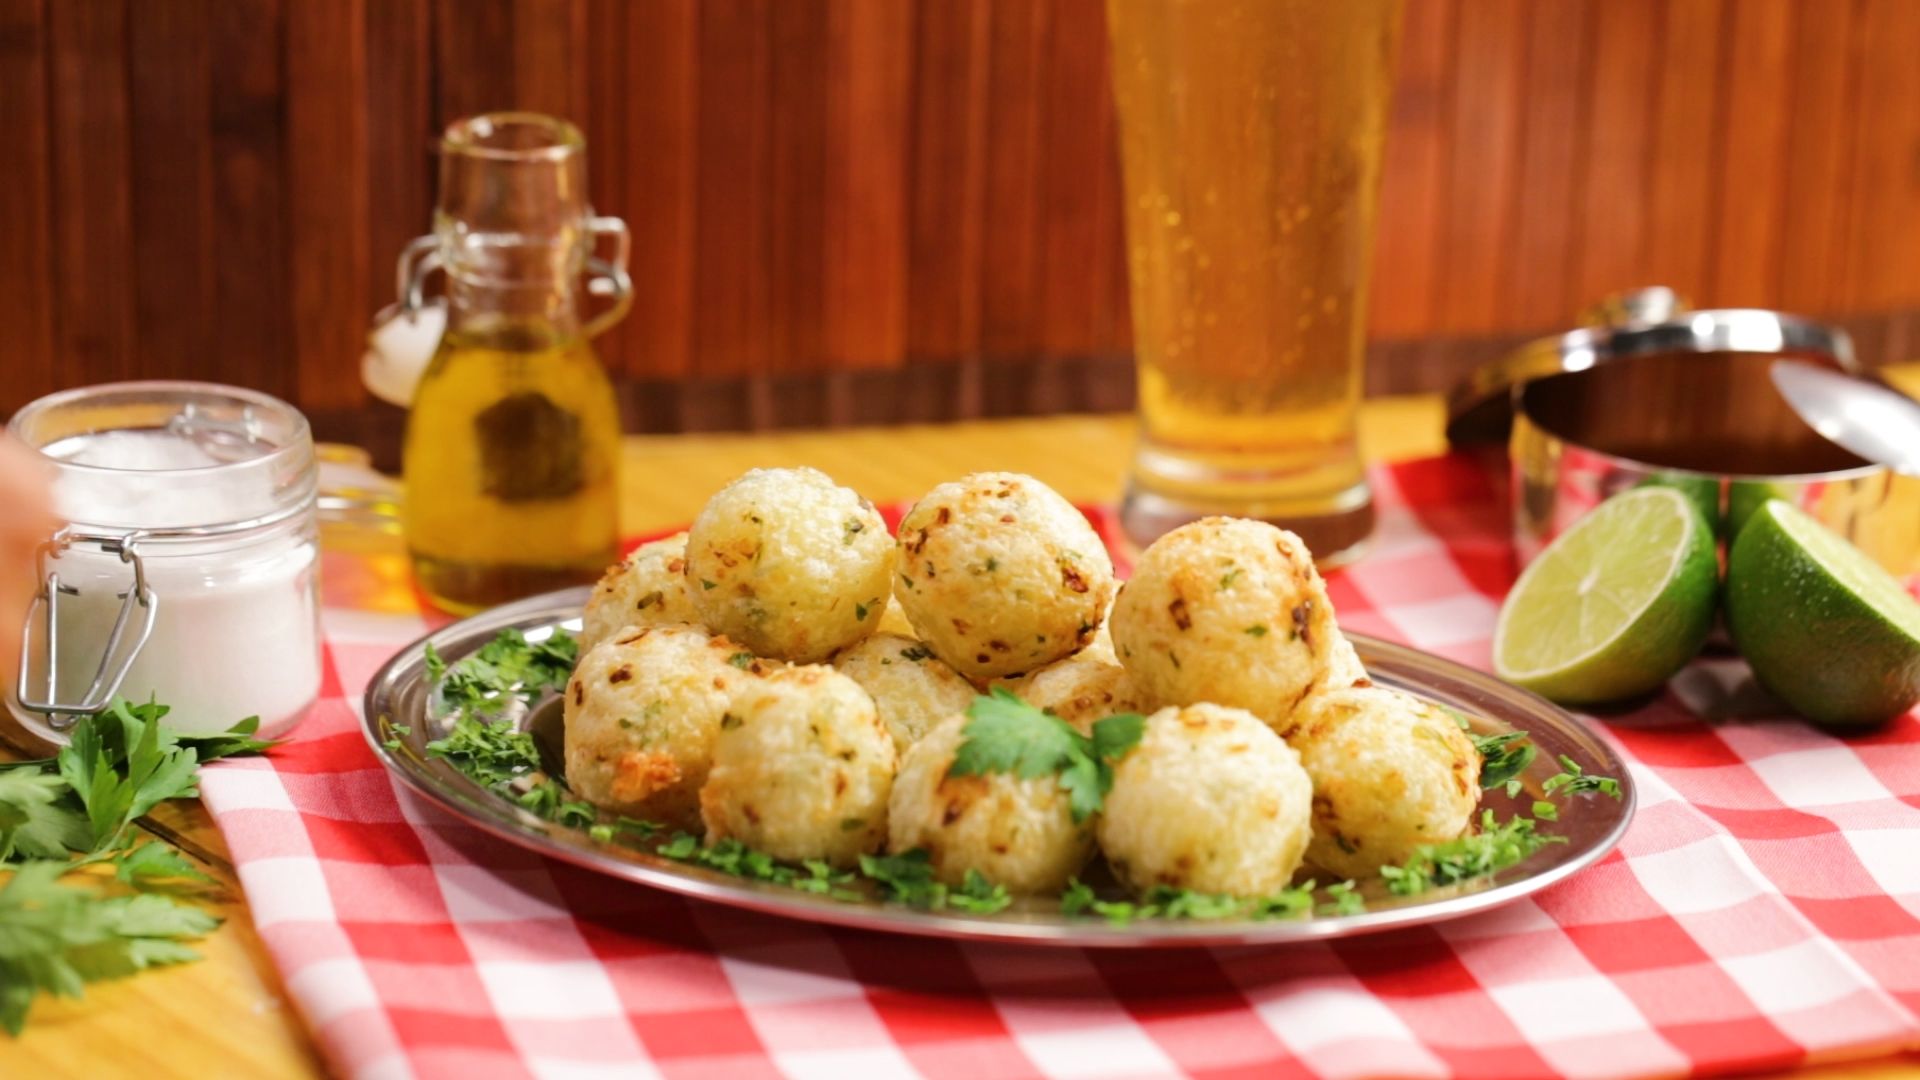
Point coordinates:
[[513, 441], [510, 461]]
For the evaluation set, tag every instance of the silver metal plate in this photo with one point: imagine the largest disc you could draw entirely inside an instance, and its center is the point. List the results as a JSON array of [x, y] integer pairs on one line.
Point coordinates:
[[1592, 824]]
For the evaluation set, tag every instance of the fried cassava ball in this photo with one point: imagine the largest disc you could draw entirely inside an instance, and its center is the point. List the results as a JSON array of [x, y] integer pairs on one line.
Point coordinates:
[[790, 564], [642, 711], [1017, 832], [802, 767], [1227, 611], [999, 575], [913, 688], [647, 588], [1210, 800], [1390, 772]]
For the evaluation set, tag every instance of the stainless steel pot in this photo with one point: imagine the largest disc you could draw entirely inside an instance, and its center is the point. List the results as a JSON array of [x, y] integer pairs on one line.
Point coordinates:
[[1651, 392]]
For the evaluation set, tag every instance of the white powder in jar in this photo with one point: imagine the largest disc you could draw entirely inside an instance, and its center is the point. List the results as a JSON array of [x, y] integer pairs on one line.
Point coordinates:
[[236, 626]]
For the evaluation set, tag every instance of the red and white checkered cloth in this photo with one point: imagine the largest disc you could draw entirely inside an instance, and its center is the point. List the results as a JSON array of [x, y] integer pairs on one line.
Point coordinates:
[[1764, 910]]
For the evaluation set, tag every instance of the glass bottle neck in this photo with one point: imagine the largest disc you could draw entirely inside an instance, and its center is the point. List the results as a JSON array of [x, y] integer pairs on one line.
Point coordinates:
[[523, 315]]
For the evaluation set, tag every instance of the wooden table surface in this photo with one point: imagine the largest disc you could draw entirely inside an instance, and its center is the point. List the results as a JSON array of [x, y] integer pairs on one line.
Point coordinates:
[[229, 1016]]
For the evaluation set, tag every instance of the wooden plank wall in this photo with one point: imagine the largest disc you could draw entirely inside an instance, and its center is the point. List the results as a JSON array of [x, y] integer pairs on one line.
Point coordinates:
[[217, 188]]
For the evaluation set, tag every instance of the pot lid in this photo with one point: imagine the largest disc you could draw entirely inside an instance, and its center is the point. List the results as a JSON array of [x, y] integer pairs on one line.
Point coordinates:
[[1637, 323]]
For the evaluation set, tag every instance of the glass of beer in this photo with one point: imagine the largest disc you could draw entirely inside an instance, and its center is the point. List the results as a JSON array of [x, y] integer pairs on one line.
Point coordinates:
[[1250, 135]]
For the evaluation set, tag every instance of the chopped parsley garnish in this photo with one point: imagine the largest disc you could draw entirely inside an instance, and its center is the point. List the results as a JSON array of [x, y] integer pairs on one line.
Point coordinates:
[[728, 857], [1293, 903], [818, 877], [1342, 899], [1165, 902], [1572, 781], [1227, 579], [1257, 630], [509, 664], [742, 660], [492, 752], [1006, 735], [1496, 846], [978, 896], [908, 879], [915, 653], [708, 586], [1503, 757]]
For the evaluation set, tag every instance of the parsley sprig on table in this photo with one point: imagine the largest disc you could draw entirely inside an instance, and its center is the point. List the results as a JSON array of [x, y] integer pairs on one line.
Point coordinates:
[[73, 814], [1006, 735]]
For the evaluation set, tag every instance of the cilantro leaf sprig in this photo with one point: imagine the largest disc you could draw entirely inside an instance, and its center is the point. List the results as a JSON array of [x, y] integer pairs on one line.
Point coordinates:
[[1004, 734]]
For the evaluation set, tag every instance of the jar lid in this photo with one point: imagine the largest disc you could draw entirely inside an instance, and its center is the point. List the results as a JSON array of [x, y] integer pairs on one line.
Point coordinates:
[[1645, 321]]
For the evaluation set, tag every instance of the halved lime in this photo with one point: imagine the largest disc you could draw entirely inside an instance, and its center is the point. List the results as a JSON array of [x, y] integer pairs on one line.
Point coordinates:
[[1615, 605], [1826, 629], [1702, 491]]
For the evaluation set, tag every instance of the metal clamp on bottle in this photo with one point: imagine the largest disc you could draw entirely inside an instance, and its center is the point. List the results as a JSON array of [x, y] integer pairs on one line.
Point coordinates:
[[115, 660]]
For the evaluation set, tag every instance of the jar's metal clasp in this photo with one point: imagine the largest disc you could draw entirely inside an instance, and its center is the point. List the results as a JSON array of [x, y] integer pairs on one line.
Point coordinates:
[[115, 660]]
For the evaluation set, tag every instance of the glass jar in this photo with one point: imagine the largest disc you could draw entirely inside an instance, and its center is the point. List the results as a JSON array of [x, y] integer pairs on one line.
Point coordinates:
[[188, 571], [513, 441]]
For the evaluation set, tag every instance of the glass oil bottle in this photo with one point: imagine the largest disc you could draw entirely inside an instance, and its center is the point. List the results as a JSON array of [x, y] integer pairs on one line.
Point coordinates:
[[513, 441]]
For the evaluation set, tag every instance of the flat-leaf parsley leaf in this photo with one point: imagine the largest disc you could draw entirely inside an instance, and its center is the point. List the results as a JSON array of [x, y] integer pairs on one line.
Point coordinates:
[[1006, 735]]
